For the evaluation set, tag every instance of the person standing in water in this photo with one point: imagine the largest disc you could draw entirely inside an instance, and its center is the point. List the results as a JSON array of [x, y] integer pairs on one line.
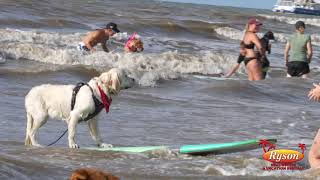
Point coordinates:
[[248, 54], [98, 36], [265, 64], [300, 48]]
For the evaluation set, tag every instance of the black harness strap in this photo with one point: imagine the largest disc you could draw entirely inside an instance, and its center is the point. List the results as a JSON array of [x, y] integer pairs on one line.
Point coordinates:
[[74, 93], [97, 104]]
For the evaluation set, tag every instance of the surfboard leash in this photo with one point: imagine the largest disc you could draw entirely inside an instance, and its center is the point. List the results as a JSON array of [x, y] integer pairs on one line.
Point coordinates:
[[58, 138]]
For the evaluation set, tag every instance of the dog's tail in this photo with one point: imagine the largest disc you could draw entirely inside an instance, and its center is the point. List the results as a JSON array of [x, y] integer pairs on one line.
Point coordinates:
[[27, 142]]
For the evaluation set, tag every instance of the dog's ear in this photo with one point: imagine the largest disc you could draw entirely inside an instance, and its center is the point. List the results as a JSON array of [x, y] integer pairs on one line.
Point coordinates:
[[111, 80], [115, 83], [105, 77]]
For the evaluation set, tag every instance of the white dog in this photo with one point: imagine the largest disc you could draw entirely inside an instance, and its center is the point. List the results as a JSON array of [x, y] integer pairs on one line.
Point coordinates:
[[54, 101]]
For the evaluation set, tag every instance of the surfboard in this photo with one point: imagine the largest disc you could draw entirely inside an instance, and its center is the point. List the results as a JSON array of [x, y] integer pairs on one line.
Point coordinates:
[[197, 149]]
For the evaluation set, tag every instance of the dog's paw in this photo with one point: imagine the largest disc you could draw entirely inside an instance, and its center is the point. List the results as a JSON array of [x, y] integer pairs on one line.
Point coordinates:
[[37, 145], [104, 145], [74, 146]]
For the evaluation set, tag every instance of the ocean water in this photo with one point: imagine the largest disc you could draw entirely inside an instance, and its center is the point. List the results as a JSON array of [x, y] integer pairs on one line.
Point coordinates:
[[173, 102], [242, 3]]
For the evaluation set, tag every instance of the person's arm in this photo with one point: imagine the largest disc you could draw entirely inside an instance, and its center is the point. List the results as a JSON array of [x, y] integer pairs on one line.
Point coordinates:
[[104, 46], [233, 70], [286, 53], [236, 67], [258, 44], [309, 51], [314, 94], [90, 47]]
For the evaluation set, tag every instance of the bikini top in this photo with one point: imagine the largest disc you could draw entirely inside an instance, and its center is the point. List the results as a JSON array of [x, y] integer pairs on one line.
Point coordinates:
[[248, 46]]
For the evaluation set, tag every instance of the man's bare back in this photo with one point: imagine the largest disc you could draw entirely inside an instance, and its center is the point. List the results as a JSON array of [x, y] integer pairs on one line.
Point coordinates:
[[95, 37]]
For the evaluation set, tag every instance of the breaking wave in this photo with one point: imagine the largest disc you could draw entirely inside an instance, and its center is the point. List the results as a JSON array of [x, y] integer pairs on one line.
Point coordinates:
[[147, 68]]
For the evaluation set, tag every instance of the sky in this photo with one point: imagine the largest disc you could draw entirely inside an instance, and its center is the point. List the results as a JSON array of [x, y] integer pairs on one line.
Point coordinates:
[[260, 4]]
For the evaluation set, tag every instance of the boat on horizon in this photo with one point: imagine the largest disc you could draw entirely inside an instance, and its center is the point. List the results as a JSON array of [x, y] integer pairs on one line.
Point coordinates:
[[310, 7]]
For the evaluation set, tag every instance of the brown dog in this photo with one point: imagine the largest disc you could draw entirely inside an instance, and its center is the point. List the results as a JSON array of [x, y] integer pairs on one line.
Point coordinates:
[[134, 44], [91, 174]]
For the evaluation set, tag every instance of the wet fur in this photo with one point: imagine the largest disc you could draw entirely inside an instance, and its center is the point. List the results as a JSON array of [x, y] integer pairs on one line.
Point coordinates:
[[91, 174]]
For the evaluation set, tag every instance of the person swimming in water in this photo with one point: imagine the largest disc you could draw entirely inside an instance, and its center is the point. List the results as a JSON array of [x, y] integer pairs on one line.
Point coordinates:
[[249, 55], [98, 36]]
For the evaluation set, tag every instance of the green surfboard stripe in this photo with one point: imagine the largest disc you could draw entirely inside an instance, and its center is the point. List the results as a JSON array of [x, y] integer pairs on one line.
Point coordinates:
[[211, 148]]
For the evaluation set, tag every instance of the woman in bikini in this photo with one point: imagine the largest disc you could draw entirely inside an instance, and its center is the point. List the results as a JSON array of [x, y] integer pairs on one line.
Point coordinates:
[[264, 61], [248, 54]]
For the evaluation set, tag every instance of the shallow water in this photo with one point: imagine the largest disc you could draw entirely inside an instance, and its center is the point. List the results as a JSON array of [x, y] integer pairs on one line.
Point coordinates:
[[169, 105]]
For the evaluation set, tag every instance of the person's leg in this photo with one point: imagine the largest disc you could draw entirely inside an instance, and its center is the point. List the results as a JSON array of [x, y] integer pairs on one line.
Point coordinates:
[[83, 48], [254, 67], [290, 69], [250, 75], [305, 76]]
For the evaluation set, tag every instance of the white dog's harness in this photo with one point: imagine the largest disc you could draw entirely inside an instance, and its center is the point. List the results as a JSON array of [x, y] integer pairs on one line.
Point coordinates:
[[97, 104], [106, 102]]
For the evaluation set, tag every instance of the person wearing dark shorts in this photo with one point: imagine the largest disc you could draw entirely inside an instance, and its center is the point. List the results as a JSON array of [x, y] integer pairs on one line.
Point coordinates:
[[300, 48], [298, 68]]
